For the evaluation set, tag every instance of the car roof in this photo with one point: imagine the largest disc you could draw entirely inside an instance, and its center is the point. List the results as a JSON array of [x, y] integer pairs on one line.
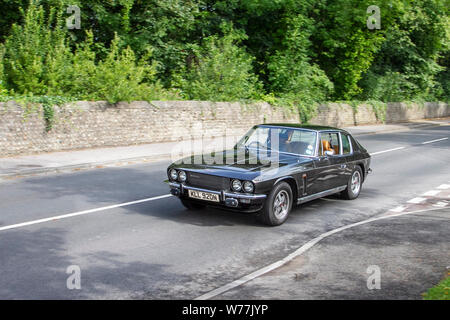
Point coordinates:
[[301, 126]]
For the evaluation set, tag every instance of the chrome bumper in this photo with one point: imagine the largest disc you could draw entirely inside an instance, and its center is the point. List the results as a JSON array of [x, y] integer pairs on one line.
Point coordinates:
[[230, 199]]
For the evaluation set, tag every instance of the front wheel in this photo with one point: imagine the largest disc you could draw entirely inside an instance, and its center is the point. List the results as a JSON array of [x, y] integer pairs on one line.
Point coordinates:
[[278, 205], [354, 185]]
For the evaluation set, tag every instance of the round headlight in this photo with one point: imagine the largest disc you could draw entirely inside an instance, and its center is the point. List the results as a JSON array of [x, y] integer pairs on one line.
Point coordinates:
[[182, 176], [173, 174], [248, 186], [236, 185]]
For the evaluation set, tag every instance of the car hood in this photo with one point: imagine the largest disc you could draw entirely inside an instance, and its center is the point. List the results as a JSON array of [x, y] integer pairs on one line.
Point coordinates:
[[235, 163]]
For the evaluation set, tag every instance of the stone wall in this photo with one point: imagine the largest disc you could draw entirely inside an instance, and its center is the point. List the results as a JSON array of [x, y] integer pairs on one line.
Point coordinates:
[[400, 112], [98, 124], [343, 115]]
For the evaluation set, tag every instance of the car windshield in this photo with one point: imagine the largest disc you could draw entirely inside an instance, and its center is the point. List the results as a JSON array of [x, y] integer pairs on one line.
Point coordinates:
[[287, 140]]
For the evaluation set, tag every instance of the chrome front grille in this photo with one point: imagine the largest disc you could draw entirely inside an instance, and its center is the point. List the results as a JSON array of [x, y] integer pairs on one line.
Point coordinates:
[[207, 181]]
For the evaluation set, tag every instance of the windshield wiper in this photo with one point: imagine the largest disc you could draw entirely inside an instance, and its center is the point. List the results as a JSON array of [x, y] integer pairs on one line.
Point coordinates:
[[259, 147]]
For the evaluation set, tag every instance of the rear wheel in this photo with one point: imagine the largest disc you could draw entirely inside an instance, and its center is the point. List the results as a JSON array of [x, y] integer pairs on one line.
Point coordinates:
[[278, 205], [191, 205], [354, 185]]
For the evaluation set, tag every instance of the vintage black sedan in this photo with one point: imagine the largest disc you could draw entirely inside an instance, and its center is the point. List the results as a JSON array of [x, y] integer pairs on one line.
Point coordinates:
[[271, 169]]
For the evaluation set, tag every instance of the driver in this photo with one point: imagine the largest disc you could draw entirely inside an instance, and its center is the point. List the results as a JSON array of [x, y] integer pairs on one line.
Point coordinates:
[[285, 139]]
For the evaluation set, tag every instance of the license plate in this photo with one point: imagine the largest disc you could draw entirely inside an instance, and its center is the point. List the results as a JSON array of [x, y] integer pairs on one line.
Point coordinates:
[[203, 195]]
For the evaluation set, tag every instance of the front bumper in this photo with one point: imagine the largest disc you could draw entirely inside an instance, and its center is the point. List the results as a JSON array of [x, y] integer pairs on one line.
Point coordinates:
[[230, 200]]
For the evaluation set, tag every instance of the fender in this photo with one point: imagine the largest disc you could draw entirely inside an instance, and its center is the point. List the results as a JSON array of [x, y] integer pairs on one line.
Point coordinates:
[[296, 190]]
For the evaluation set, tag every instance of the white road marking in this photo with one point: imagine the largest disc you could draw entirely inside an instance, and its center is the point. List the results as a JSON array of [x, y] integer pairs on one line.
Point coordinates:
[[440, 204], [431, 193], [443, 186], [70, 215], [400, 148], [417, 200], [431, 141], [389, 150], [295, 254], [398, 209]]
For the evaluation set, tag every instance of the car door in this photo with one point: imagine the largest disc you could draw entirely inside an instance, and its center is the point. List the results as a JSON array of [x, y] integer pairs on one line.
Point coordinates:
[[348, 156], [328, 168]]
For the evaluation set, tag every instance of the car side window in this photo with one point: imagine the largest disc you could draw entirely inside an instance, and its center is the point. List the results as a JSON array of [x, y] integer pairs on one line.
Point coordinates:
[[329, 142], [302, 142], [346, 148]]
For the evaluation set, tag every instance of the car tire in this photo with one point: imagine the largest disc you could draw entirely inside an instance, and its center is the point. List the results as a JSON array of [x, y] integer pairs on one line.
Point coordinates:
[[191, 205], [354, 184], [275, 213]]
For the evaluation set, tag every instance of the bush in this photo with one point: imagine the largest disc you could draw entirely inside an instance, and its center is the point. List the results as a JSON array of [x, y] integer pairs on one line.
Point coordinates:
[[294, 79], [439, 292], [118, 77], [220, 71], [3, 91], [39, 61], [391, 87], [410, 64], [36, 52], [294, 49]]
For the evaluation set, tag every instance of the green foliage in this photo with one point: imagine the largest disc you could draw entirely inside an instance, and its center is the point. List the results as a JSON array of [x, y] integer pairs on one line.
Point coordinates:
[[345, 47], [39, 61], [118, 77], [295, 80], [293, 53], [167, 26], [439, 292], [379, 108], [10, 14], [3, 91], [34, 52], [48, 103], [31, 104], [406, 66], [221, 71]]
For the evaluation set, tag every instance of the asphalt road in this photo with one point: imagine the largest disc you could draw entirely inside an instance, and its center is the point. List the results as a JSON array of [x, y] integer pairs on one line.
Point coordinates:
[[157, 250], [410, 253]]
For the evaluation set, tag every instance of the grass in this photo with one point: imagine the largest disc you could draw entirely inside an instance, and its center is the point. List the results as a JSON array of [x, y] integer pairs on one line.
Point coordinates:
[[439, 292]]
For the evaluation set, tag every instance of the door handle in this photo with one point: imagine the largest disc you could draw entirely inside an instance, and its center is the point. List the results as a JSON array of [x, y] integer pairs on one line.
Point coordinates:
[[343, 166]]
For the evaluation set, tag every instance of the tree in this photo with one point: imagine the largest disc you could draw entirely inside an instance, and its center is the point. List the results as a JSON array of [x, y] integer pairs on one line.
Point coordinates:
[[406, 66], [221, 71], [292, 76], [36, 52]]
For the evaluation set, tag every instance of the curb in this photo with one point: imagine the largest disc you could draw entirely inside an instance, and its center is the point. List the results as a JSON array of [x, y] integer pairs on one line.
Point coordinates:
[[419, 126]]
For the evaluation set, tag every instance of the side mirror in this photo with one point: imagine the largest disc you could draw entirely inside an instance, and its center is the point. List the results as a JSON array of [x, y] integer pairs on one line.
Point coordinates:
[[329, 153]]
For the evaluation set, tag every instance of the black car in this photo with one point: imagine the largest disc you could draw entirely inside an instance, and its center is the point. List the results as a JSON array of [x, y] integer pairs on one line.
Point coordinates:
[[272, 168]]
